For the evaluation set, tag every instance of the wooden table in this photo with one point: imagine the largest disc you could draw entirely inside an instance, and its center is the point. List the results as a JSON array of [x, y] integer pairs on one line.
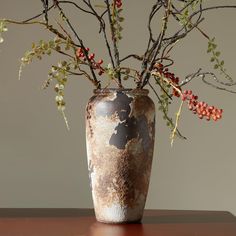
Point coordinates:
[[81, 222]]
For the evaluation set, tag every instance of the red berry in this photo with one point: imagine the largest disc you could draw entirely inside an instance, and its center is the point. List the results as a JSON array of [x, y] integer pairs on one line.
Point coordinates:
[[100, 61], [91, 56], [200, 116]]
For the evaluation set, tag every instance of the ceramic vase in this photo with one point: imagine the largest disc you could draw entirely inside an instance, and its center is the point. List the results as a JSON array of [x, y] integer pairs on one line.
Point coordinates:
[[120, 130]]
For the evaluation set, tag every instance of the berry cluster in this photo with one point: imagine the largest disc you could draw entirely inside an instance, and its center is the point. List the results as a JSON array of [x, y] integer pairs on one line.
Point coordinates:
[[201, 108], [59, 88], [96, 65], [118, 3], [170, 76]]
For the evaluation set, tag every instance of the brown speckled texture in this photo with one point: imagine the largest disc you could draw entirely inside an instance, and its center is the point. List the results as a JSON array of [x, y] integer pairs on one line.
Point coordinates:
[[120, 129]]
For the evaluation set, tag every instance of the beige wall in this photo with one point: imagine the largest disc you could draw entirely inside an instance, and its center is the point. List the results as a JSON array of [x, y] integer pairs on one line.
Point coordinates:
[[43, 165]]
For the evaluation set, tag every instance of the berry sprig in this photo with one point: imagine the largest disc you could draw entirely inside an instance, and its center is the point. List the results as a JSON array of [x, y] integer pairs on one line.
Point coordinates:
[[215, 58], [39, 50], [201, 108], [96, 65], [116, 20]]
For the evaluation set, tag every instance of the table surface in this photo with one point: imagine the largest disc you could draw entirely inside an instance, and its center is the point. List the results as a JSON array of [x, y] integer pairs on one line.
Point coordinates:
[[81, 222]]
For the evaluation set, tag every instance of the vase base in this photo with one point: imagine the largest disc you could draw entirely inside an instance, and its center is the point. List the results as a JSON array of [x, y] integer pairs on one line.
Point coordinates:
[[139, 221]]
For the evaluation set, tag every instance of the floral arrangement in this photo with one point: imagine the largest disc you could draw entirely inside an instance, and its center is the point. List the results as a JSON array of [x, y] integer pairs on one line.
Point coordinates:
[[155, 62]]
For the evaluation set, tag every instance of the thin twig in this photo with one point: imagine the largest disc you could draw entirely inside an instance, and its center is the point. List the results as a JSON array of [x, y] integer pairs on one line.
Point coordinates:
[[173, 133]]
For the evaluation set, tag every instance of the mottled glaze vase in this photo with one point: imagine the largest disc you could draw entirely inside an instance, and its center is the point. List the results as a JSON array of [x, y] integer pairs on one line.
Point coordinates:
[[120, 129]]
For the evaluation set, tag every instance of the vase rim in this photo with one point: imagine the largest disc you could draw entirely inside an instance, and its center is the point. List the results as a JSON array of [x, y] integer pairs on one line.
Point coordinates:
[[122, 90]]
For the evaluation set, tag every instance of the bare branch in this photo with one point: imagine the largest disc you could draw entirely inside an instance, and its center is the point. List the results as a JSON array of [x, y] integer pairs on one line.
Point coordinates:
[[98, 84], [77, 6], [202, 75], [103, 29], [140, 58], [157, 44], [38, 15]]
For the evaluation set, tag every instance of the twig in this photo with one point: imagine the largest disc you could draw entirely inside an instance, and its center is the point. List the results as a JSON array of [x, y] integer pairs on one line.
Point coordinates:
[[38, 15], [173, 133], [77, 6], [140, 58]]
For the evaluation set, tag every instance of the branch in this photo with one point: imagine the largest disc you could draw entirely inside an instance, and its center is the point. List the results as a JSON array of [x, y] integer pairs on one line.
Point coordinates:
[[211, 8], [115, 47], [140, 58], [203, 75], [80, 41], [157, 44], [77, 6], [45, 5], [154, 10], [103, 28], [38, 15]]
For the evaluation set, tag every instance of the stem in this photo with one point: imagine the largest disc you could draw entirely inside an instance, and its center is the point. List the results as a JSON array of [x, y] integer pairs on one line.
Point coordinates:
[[49, 27], [115, 47], [173, 133]]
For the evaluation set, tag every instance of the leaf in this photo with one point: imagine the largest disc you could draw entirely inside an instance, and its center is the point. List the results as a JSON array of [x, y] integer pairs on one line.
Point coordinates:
[[212, 59], [121, 19], [209, 50], [217, 53], [216, 66], [214, 46]]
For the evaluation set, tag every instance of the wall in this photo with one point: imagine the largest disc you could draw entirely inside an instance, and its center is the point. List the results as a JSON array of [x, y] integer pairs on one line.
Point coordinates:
[[44, 165]]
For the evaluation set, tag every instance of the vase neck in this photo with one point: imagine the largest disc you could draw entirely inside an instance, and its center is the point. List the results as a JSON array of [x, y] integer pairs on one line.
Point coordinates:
[[107, 91]]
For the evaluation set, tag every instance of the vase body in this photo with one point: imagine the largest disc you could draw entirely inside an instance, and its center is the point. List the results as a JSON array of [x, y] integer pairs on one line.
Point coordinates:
[[120, 130]]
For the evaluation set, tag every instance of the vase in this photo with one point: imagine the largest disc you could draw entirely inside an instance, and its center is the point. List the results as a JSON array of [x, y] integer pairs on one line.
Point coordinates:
[[120, 130]]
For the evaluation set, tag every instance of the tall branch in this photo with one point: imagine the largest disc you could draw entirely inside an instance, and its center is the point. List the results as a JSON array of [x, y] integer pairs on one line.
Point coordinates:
[[103, 28], [115, 46], [157, 44], [80, 41]]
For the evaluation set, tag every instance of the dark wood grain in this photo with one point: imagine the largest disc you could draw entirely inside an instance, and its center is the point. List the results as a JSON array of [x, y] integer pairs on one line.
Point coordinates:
[[81, 222]]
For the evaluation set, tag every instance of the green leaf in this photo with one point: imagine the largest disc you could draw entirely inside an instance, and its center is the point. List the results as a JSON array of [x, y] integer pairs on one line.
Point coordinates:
[[212, 59], [121, 19], [217, 53], [216, 66], [214, 46]]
